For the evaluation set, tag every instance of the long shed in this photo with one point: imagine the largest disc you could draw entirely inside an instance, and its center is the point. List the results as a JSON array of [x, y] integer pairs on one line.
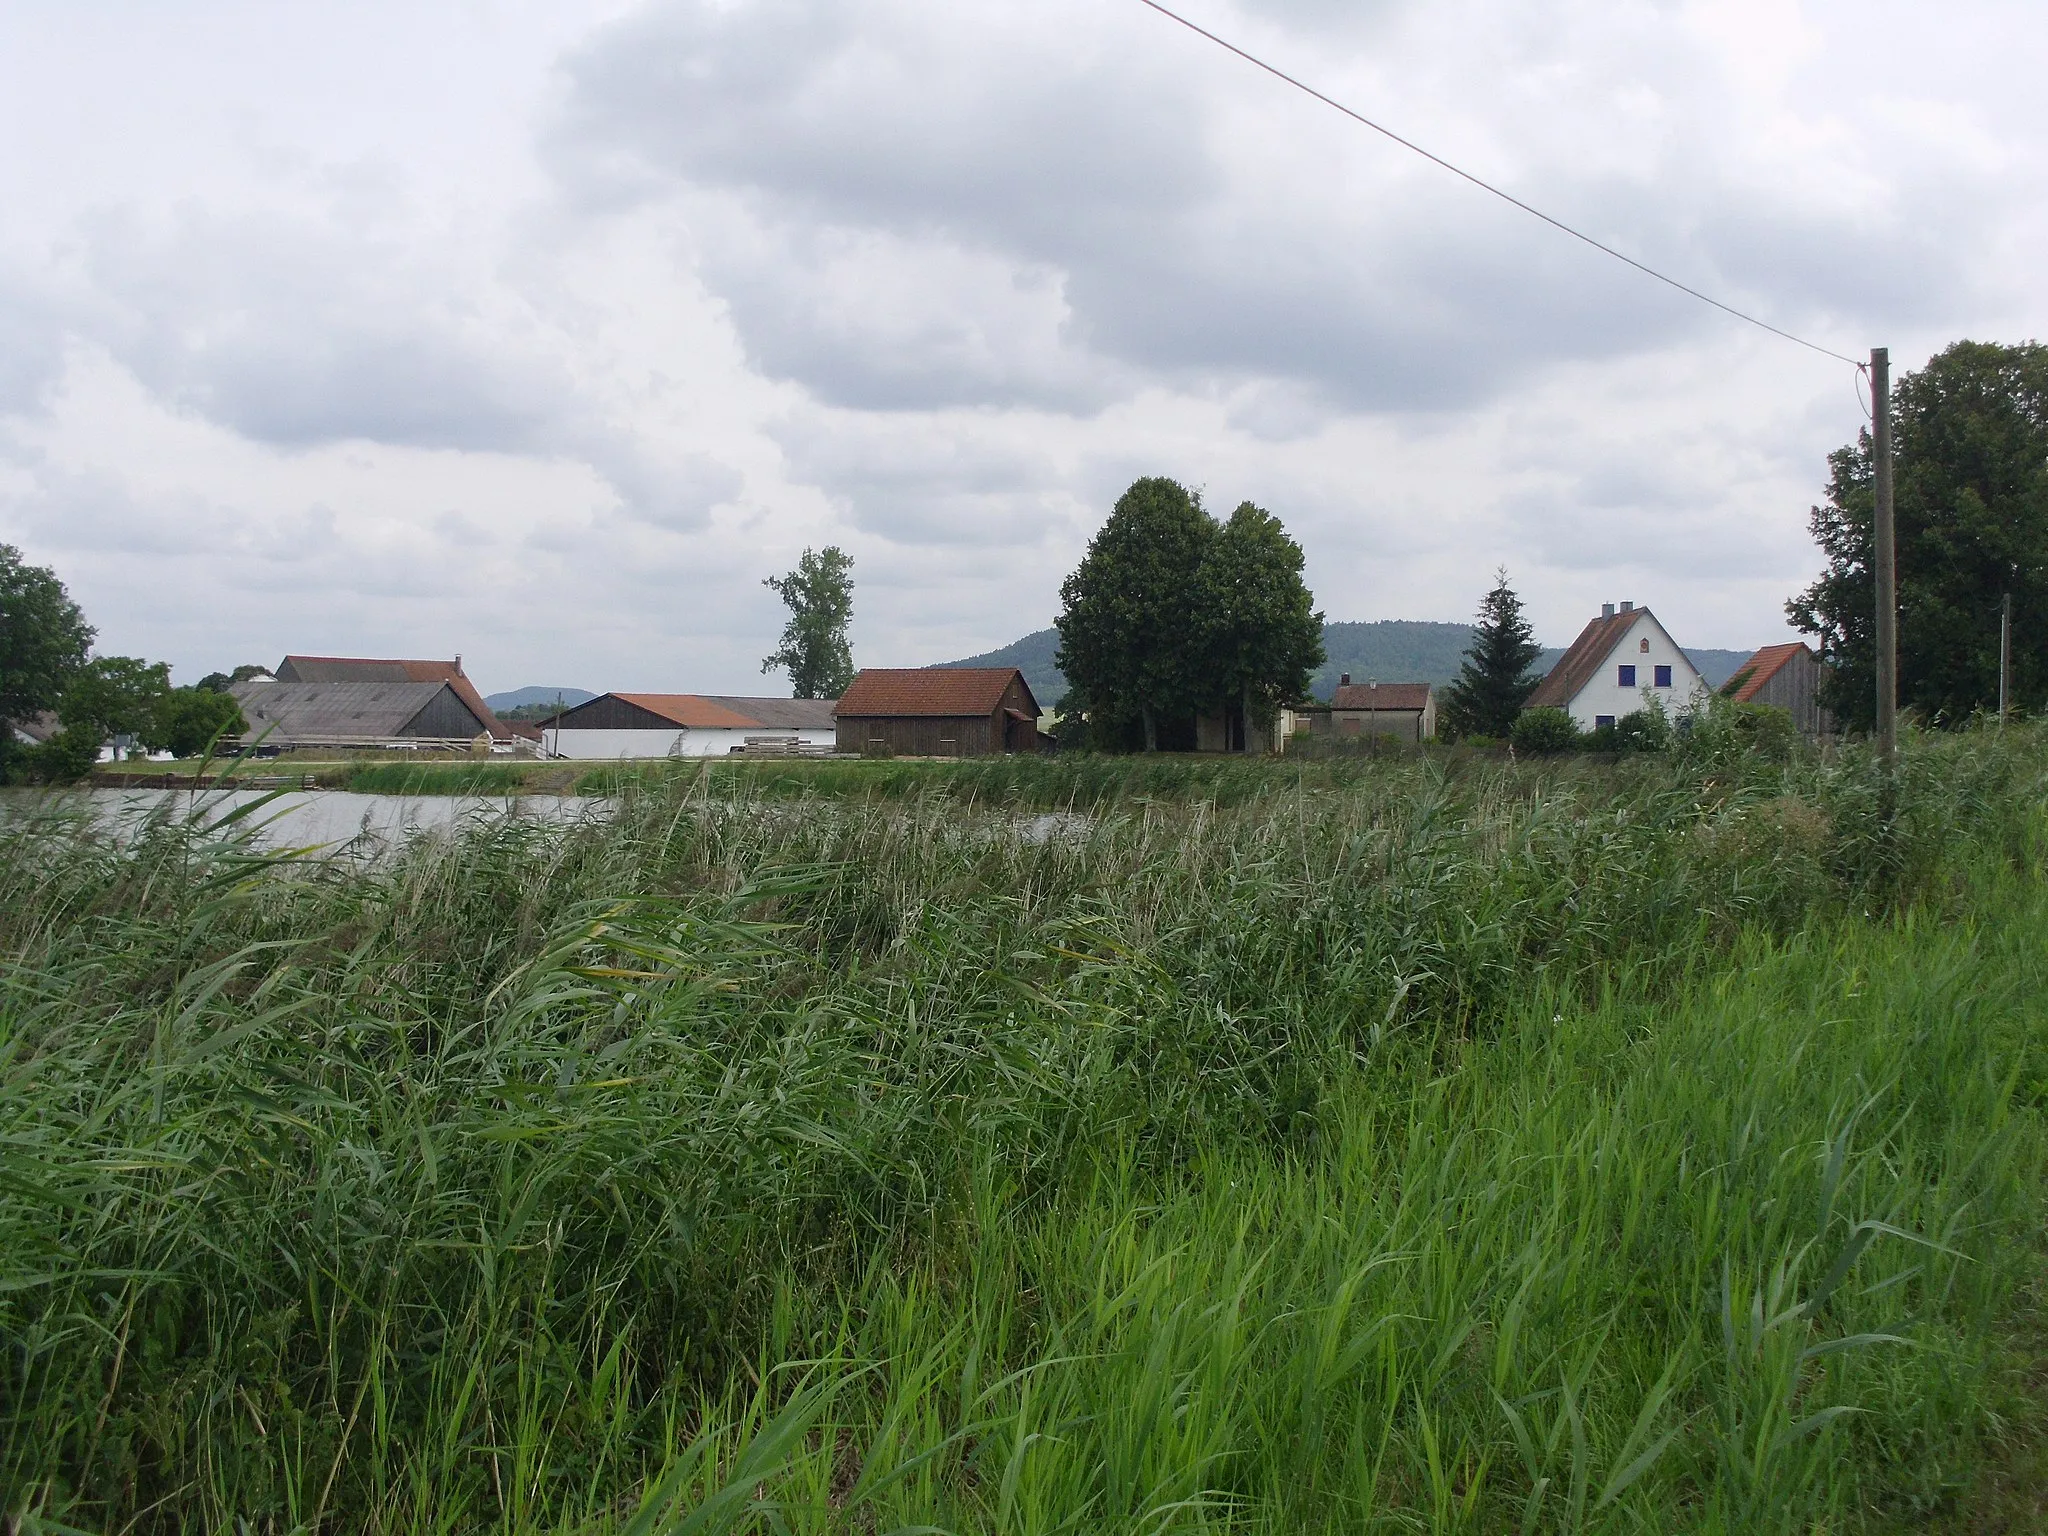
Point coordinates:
[[357, 714], [615, 725], [378, 669], [938, 712]]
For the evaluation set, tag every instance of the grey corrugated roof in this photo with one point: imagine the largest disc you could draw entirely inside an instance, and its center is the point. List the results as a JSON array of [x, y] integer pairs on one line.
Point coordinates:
[[331, 711], [784, 714]]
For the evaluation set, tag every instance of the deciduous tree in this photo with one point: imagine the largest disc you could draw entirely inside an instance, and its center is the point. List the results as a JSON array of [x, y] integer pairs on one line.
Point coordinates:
[[1129, 645], [187, 721], [814, 649], [1262, 635], [1970, 466], [44, 640]]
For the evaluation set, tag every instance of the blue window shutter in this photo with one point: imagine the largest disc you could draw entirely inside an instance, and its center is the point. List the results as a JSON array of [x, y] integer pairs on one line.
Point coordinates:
[[1663, 677], [1627, 679], [1600, 720]]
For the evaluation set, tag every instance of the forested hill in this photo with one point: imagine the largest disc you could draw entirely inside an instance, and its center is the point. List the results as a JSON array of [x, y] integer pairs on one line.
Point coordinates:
[[1386, 651]]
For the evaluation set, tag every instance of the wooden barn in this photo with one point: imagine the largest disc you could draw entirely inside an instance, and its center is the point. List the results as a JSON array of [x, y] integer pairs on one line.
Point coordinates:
[[1788, 676], [938, 712]]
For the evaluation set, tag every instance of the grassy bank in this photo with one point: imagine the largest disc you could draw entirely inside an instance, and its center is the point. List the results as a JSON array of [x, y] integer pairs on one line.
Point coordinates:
[[1582, 1148]]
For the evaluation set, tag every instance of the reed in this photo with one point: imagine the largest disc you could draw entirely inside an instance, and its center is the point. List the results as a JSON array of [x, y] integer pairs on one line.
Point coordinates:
[[1443, 1145]]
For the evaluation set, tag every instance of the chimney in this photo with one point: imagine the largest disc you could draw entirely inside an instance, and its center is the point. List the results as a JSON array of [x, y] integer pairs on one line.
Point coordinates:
[[1607, 610], [458, 661], [1344, 680], [1628, 607]]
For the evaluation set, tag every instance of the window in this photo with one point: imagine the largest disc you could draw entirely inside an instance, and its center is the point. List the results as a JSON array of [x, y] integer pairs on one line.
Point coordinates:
[[1643, 644], [1600, 720], [1663, 677], [1625, 677]]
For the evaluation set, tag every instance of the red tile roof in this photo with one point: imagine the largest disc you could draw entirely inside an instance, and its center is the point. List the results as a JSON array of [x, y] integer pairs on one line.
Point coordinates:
[[690, 710], [353, 669], [1381, 696], [1577, 666], [954, 692], [1751, 676]]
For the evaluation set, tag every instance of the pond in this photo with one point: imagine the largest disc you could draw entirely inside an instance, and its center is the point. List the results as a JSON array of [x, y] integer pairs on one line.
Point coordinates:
[[326, 819]]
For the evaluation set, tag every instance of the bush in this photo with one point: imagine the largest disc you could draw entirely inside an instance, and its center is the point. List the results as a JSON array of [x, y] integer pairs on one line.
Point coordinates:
[[1544, 732], [1724, 728], [1643, 730]]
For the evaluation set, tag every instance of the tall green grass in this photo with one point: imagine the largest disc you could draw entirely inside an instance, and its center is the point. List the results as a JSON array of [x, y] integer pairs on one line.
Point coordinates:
[[1652, 1147]]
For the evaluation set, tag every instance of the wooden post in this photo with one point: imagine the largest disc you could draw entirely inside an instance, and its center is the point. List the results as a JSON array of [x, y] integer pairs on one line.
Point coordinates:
[[2005, 657], [1885, 559]]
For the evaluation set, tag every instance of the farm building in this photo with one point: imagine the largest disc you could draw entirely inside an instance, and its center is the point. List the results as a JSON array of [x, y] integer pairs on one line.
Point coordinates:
[[1608, 668], [386, 713], [938, 712], [1788, 676], [370, 669], [1404, 711], [686, 725]]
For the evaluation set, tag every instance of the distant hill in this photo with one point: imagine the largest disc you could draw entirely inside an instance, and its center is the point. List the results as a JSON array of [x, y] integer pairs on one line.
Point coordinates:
[[1033, 657], [518, 698], [1386, 651]]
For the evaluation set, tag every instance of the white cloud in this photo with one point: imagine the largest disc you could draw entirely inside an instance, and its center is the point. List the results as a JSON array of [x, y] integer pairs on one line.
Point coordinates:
[[543, 335]]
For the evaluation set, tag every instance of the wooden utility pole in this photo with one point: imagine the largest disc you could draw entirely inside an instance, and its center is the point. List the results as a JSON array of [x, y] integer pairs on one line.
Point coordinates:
[[1885, 561], [2004, 657]]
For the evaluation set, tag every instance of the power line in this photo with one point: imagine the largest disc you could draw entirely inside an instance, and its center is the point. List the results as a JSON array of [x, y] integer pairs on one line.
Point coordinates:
[[1487, 186]]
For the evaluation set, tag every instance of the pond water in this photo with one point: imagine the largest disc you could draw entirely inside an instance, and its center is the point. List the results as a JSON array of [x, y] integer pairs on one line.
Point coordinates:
[[329, 820], [325, 819]]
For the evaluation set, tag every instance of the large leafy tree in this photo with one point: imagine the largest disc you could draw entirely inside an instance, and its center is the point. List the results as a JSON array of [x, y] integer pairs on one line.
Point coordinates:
[[1129, 645], [1970, 468], [814, 649], [1262, 634], [188, 721], [44, 641], [1496, 679]]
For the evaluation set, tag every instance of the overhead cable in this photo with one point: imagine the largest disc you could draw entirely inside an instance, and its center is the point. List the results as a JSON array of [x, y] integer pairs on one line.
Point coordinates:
[[1487, 186]]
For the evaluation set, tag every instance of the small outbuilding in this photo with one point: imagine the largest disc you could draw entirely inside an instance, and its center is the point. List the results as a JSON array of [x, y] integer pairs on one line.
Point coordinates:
[[1788, 676], [615, 725], [1618, 659], [1404, 711], [938, 712]]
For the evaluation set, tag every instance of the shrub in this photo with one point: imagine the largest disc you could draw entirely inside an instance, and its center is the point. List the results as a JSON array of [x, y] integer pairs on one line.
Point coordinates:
[[1544, 731], [1643, 730]]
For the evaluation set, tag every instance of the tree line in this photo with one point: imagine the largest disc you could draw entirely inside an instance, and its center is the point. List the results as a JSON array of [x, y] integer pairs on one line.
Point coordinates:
[[47, 668]]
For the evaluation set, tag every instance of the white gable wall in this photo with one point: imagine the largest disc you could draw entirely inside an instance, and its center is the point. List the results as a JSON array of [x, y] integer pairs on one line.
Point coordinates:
[[1605, 694], [676, 741]]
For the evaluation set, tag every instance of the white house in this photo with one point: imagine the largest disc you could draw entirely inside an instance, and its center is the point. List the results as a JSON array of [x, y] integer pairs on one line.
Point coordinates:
[[685, 725], [1619, 659]]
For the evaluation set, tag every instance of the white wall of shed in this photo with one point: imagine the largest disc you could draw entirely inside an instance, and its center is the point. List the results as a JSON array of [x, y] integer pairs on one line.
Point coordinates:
[[678, 742], [1602, 695]]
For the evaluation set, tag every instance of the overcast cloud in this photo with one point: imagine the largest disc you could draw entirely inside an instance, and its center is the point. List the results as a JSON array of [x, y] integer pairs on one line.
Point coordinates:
[[542, 334]]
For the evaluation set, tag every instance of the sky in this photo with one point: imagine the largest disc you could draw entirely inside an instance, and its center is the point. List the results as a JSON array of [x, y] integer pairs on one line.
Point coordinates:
[[541, 333]]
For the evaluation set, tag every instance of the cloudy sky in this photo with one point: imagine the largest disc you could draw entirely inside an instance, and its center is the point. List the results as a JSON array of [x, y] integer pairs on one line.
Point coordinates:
[[541, 333]]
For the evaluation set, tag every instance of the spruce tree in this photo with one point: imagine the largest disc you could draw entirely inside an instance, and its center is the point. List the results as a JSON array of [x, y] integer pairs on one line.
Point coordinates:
[[1496, 680]]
